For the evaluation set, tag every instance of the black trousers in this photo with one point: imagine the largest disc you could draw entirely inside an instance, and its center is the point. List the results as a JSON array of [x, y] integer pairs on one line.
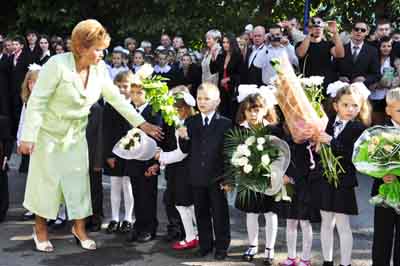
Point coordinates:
[[96, 192], [174, 219], [145, 194], [386, 237], [4, 195], [211, 210]]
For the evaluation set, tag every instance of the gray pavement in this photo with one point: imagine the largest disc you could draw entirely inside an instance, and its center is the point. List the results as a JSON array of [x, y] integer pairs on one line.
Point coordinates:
[[16, 245]]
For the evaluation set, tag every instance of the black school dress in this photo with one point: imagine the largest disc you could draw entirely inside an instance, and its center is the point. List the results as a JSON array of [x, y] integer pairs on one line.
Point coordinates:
[[176, 174], [300, 207], [343, 198], [259, 202]]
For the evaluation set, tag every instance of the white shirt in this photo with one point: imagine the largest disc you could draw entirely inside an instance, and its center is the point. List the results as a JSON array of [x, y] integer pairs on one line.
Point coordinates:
[[379, 94], [268, 71], [338, 129], [136, 68], [352, 45], [141, 108], [115, 70], [258, 56], [395, 124], [162, 70], [210, 116]]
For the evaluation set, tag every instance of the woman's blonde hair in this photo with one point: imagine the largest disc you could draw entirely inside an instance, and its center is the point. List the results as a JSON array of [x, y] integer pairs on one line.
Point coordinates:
[[365, 107], [25, 92], [254, 101], [88, 33]]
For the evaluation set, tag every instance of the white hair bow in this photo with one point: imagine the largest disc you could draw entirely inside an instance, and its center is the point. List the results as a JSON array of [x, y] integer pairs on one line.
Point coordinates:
[[189, 99], [34, 67], [267, 92], [121, 50], [334, 87]]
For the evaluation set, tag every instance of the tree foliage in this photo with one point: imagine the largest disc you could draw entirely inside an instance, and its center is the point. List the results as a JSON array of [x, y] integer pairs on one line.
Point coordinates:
[[189, 18]]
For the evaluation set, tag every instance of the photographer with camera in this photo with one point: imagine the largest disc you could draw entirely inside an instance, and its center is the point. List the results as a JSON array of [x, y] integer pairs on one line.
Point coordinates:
[[278, 46], [315, 52]]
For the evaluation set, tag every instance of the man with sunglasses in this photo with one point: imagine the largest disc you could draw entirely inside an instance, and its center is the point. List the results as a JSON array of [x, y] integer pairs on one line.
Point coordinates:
[[361, 60], [315, 52]]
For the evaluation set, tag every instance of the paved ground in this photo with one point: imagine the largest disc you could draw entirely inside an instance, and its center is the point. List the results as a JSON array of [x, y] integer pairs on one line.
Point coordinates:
[[16, 246]]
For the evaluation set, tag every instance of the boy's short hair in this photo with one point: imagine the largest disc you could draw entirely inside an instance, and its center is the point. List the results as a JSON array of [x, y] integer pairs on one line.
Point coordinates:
[[124, 76], [393, 95], [208, 86]]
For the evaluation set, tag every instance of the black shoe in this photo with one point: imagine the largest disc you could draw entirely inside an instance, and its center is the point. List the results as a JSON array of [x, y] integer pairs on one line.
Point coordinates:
[[173, 236], [132, 236], [94, 227], [328, 263], [113, 227], [268, 262], [220, 255], [203, 253], [58, 223], [28, 216], [145, 237], [249, 254], [125, 227]]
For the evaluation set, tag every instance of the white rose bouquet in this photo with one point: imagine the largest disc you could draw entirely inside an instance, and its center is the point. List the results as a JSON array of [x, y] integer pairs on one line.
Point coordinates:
[[256, 161], [135, 145]]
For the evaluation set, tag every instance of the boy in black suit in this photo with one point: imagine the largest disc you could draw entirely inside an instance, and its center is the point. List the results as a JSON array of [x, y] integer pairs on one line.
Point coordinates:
[[143, 176], [203, 140], [386, 220], [94, 136]]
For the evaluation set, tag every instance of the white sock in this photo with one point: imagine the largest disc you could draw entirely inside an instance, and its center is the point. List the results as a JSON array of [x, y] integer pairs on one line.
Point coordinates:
[[252, 228], [194, 222], [327, 226], [116, 188], [307, 233], [345, 237], [271, 230], [128, 198], [187, 220], [291, 237]]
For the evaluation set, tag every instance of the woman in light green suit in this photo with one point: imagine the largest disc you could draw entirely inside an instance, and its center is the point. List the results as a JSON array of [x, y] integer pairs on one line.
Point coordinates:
[[54, 131]]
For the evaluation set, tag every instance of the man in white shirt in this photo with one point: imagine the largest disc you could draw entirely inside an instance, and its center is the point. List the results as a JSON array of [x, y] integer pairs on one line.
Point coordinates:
[[278, 47]]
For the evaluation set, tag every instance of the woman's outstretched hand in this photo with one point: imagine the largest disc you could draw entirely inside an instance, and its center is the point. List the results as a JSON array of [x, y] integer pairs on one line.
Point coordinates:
[[26, 147], [152, 130]]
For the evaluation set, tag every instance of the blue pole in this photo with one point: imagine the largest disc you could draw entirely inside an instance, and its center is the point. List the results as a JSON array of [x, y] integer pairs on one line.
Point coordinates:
[[307, 5]]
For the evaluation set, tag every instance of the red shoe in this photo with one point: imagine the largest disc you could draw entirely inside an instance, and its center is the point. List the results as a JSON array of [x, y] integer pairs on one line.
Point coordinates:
[[181, 245]]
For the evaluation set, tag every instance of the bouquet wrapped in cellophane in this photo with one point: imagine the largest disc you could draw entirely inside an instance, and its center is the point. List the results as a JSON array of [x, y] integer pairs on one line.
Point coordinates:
[[377, 153], [135, 145], [257, 162], [301, 103]]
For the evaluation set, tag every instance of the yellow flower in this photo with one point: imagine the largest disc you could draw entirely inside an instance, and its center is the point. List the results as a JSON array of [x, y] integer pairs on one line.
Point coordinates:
[[388, 148], [371, 148], [375, 140]]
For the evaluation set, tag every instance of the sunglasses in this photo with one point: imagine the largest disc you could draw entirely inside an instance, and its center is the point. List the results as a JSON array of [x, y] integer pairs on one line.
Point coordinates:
[[363, 30]]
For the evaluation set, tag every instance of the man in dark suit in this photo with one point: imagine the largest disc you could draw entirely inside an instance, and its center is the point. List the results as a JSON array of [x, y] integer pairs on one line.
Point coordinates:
[[361, 60], [5, 72], [203, 140], [20, 62]]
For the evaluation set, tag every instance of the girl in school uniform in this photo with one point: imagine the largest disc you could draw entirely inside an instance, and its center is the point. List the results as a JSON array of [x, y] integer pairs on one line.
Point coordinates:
[[258, 110], [300, 209], [176, 172], [336, 204], [26, 90]]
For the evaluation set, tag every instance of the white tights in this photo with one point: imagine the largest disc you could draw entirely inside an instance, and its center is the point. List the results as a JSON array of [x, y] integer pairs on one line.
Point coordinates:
[[271, 230], [291, 238], [119, 184], [329, 220], [189, 221]]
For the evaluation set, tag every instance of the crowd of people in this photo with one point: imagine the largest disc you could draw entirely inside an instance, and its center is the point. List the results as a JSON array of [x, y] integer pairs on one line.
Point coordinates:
[[191, 156]]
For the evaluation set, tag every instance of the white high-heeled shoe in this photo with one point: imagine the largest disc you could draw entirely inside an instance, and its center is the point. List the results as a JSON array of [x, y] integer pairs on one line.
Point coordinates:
[[42, 246], [87, 244]]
